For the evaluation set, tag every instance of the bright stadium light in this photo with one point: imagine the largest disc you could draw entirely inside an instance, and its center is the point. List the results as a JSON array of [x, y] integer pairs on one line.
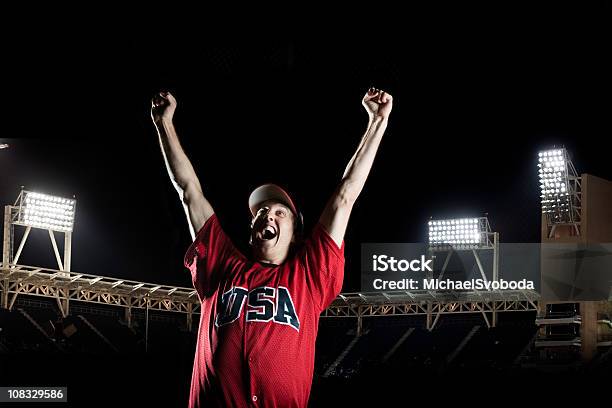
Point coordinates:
[[461, 233], [3, 146], [559, 187], [45, 211], [464, 234]]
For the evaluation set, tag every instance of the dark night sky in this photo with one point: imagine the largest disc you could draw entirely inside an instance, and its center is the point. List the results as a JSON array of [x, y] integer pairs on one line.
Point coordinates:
[[474, 102]]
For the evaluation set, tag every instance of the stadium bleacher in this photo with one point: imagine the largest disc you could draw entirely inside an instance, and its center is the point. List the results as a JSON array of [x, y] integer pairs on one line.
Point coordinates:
[[94, 345]]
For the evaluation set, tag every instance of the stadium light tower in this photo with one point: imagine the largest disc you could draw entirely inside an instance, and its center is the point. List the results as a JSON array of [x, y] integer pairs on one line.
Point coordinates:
[[560, 190], [37, 210], [464, 234]]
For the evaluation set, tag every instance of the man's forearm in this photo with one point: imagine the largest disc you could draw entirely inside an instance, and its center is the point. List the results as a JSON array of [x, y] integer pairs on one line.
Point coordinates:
[[181, 172], [179, 167], [357, 171]]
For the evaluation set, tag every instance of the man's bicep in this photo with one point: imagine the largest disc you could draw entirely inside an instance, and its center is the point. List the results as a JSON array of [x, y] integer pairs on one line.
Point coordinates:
[[335, 219], [197, 208]]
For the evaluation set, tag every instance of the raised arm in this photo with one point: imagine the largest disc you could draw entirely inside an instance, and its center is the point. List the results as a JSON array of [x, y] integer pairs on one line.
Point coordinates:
[[337, 212], [180, 170]]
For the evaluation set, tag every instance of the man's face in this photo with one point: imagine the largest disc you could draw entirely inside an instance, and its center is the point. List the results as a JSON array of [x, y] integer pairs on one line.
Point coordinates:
[[273, 225]]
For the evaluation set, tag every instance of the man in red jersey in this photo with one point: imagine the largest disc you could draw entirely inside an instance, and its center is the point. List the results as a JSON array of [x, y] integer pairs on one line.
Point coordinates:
[[259, 315]]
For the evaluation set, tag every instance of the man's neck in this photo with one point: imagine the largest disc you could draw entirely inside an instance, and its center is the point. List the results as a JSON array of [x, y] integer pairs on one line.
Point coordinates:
[[269, 256]]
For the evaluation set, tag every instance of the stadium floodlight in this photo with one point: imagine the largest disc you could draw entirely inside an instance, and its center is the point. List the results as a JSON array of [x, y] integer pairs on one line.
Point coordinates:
[[45, 211], [559, 187], [4, 146], [462, 233], [42, 211]]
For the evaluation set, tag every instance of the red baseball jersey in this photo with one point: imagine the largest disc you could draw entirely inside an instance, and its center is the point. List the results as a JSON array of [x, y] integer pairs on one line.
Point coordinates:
[[259, 322]]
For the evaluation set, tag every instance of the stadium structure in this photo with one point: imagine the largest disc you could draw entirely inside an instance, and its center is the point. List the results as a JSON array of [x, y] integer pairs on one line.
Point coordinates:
[[98, 334]]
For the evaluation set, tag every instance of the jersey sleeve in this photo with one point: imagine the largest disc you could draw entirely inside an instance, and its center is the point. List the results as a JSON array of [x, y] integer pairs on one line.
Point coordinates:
[[208, 257], [323, 263]]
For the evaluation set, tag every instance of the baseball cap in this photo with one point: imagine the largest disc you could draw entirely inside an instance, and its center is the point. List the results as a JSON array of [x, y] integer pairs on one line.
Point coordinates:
[[267, 192]]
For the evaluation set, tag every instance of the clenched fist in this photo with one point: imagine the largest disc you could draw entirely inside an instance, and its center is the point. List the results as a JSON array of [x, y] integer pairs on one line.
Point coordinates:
[[377, 103], [163, 106]]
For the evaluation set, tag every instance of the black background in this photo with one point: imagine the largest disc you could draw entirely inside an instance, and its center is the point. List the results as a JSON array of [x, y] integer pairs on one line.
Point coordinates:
[[477, 92], [479, 89]]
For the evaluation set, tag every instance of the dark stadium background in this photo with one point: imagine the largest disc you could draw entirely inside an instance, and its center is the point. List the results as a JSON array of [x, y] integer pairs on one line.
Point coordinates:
[[474, 102]]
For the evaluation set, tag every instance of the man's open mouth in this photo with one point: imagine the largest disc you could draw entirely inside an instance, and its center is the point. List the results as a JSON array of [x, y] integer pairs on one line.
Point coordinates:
[[269, 232]]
